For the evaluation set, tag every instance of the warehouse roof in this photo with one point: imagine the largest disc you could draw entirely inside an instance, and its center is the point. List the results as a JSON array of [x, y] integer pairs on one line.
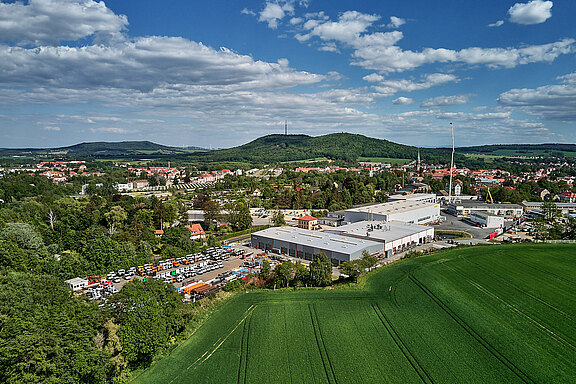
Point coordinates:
[[315, 239], [392, 207], [484, 205], [386, 231]]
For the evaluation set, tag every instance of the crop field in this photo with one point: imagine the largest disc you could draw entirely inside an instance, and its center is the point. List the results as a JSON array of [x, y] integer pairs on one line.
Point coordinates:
[[494, 314]]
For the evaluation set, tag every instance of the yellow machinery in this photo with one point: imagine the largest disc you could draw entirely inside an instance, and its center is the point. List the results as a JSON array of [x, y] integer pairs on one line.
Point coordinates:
[[490, 196]]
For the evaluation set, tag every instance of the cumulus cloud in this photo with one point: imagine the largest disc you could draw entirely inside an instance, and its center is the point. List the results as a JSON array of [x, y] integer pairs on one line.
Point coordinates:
[[499, 23], [144, 64], [51, 21], [445, 101], [347, 29], [402, 101], [389, 87], [396, 22], [533, 12], [551, 102], [394, 59], [274, 12]]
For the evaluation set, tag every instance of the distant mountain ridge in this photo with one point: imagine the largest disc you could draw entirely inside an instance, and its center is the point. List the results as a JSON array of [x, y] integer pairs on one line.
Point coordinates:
[[282, 148], [103, 149]]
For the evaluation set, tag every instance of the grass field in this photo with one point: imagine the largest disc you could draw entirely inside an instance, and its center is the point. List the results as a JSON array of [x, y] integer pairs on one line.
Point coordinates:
[[498, 314]]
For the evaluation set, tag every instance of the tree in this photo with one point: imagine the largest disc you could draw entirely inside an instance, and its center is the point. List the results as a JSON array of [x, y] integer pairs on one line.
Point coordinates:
[[321, 269], [23, 234], [265, 271], [301, 274], [239, 216], [352, 269], [51, 219], [212, 213], [283, 273], [278, 218]]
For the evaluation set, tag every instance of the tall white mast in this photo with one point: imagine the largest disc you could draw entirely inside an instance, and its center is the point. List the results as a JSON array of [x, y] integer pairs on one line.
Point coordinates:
[[451, 164]]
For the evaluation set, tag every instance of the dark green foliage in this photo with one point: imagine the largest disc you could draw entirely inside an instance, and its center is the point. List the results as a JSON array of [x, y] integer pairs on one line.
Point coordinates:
[[149, 313], [47, 336], [321, 269]]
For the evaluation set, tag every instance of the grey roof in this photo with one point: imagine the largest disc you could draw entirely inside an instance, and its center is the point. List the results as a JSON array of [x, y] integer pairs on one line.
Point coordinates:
[[482, 205], [381, 230], [321, 240], [392, 207]]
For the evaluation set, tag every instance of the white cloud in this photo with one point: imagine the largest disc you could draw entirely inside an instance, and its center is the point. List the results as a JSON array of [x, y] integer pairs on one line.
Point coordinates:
[[274, 12], [445, 101], [402, 101], [396, 22], [394, 59], [499, 23], [51, 128], [247, 11], [145, 63], [533, 12], [389, 87], [114, 130], [347, 29], [550, 102], [51, 21]]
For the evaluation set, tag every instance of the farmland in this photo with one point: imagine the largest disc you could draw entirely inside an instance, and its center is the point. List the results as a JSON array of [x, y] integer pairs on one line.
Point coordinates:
[[500, 314]]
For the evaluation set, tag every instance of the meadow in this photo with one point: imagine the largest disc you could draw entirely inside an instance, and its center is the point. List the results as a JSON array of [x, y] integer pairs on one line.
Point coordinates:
[[493, 314]]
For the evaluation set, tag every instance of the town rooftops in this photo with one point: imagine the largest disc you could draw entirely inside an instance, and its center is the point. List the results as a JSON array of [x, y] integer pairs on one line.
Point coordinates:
[[196, 229], [307, 218]]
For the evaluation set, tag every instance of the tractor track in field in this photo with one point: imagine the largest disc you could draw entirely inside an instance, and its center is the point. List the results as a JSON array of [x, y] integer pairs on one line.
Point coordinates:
[[328, 368], [551, 274], [420, 371], [243, 365], [489, 347], [513, 286], [221, 340]]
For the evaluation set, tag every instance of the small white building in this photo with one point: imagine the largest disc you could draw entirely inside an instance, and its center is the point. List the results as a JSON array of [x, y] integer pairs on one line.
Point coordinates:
[[77, 283], [486, 219]]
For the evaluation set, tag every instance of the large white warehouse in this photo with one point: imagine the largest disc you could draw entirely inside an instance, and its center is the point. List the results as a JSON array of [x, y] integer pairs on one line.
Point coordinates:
[[396, 236], [304, 244], [415, 212]]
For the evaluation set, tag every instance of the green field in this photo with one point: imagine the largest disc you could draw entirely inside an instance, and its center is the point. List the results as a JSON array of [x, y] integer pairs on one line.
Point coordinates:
[[497, 314]]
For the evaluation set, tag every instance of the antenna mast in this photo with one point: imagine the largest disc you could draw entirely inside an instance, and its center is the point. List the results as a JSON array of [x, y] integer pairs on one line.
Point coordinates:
[[286, 127], [451, 165]]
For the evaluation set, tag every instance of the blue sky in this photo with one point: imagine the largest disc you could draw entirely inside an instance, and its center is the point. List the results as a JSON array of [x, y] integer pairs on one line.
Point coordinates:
[[221, 73]]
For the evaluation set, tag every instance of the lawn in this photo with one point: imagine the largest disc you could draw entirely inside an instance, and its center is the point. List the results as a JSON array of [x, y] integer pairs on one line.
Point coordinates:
[[500, 314]]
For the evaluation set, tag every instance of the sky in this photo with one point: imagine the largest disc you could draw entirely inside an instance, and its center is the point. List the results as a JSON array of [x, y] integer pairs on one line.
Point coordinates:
[[221, 73]]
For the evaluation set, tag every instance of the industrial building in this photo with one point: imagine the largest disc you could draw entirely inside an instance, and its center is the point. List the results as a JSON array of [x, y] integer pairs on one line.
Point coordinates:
[[486, 219], [304, 244], [408, 211], [423, 197], [464, 208], [567, 209], [77, 283], [396, 236]]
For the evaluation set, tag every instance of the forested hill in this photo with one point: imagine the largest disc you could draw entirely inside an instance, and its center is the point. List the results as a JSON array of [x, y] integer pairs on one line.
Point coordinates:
[[104, 150], [337, 146], [552, 150]]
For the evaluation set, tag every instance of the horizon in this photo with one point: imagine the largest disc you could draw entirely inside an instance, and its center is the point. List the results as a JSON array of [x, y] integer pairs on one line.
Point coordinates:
[[273, 134], [220, 75]]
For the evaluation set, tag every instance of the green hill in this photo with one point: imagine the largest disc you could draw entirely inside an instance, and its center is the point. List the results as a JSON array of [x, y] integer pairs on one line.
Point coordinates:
[[103, 150], [336, 146], [547, 150]]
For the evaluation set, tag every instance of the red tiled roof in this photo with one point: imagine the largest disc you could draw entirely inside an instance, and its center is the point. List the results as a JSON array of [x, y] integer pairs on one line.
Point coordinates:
[[307, 218]]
